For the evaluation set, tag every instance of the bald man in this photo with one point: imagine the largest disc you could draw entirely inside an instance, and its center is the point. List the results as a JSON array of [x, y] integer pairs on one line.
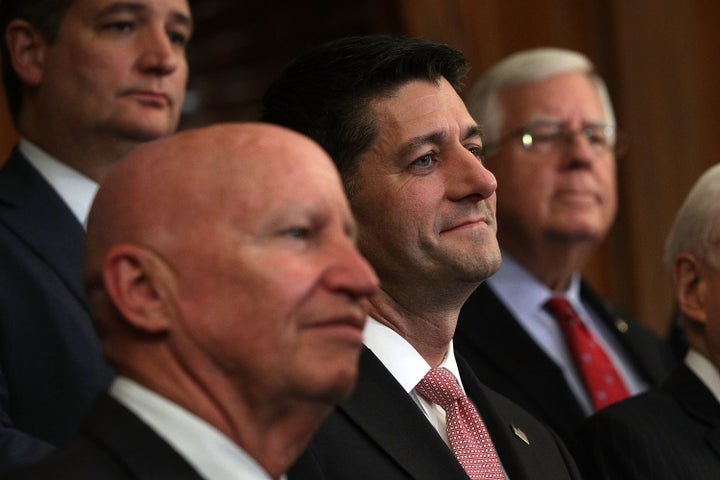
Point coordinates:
[[225, 284]]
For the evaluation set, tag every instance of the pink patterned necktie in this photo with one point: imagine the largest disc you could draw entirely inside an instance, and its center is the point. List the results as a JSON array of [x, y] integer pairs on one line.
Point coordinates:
[[602, 381], [469, 439]]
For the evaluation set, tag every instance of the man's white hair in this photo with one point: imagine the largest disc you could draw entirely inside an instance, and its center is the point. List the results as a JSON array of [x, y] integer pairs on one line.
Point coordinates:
[[695, 229], [522, 68]]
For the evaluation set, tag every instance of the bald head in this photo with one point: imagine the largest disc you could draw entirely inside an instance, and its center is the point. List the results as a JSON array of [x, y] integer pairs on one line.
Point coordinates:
[[222, 273], [162, 192], [236, 234]]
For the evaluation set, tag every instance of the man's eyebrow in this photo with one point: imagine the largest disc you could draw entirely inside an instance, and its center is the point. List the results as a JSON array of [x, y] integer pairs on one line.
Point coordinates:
[[473, 131], [417, 142], [182, 19], [436, 138], [176, 17]]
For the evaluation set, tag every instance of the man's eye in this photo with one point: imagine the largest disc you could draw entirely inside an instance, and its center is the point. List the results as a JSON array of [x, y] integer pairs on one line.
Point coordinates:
[[424, 161], [546, 137], [121, 27], [178, 38], [597, 139], [477, 151], [298, 232]]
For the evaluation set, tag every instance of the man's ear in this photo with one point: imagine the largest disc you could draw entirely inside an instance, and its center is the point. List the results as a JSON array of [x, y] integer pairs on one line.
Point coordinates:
[[137, 281], [690, 288], [27, 48]]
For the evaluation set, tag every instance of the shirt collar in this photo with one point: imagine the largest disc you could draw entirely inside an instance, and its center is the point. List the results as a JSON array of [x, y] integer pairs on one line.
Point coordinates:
[[400, 358], [76, 190], [209, 451], [515, 285], [705, 370]]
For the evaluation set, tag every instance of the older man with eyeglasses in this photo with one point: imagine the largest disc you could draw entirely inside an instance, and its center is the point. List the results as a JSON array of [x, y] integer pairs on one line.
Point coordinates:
[[535, 331]]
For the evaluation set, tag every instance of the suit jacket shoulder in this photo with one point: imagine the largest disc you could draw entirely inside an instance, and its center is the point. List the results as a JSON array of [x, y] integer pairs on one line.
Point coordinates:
[[113, 444], [667, 433], [48, 346], [379, 432], [507, 359]]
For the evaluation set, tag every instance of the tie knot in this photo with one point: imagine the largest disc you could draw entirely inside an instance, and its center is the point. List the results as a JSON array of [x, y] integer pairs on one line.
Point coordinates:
[[561, 309], [440, 386]]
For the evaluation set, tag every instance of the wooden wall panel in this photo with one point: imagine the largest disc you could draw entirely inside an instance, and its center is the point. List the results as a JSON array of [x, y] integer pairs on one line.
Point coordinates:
[[669, 69]]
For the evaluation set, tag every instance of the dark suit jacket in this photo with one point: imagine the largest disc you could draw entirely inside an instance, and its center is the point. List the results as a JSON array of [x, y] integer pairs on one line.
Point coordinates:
[[672, 432], [507, 359], [51, 364], [380, 433], [113, 444]]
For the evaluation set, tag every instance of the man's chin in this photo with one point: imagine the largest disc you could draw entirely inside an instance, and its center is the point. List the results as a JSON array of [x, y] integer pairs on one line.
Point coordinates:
[[146, 130], [336, 389]]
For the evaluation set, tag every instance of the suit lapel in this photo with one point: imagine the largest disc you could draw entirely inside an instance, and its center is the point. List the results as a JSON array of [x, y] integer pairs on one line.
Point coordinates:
[[629, 335], [31, 209], [135, 444], [387, 414], [509, 349], [689, 391], [504, 436]]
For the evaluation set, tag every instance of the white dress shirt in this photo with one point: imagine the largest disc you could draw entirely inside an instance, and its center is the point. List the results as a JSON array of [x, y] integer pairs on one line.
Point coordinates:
[[705, 370], [409, 367], [524, 296], [210, 452], [76, 190]]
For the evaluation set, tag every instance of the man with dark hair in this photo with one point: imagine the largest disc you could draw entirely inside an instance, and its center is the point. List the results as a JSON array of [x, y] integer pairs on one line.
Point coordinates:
[[387, 109], [87, 81]]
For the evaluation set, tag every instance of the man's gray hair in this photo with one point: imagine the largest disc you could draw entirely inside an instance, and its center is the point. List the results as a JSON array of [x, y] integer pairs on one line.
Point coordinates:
[[522, 68], [695, 229]]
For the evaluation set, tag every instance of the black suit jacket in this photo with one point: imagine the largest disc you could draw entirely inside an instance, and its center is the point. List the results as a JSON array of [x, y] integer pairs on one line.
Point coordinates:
[[672, 432], [380, 432], [507, 359], [113, 444], [51, 363]]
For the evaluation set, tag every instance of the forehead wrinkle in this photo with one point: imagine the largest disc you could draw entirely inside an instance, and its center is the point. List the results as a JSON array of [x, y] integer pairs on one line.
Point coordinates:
[[119, 7]]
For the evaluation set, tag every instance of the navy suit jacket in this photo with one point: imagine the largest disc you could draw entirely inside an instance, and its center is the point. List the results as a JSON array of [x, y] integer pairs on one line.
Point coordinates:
[[113, 444], [379, 432], [667, 433], [51, 363], [507, 359]]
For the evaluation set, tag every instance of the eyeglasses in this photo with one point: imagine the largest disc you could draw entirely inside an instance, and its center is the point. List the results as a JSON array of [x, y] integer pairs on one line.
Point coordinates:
[[548, 136]]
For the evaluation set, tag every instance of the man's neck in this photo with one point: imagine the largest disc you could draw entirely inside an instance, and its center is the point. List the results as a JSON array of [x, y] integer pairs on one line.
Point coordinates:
[[92, 155], [429, 330], [552, 264]]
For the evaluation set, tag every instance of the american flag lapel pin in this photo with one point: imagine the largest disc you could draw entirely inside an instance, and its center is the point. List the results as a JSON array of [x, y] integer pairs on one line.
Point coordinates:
[[520, 434]]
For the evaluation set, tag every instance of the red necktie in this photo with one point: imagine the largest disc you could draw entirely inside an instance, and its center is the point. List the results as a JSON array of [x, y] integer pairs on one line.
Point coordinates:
[[469, 439], [602, 381]]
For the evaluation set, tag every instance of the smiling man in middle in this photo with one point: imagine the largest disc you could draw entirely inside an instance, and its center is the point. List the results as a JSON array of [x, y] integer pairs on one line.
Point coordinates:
[[387, 110]]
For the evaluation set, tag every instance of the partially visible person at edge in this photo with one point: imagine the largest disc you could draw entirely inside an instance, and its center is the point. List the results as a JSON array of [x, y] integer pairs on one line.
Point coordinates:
[[671, 431], [86, 81], [387, 109], [535, 331]]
